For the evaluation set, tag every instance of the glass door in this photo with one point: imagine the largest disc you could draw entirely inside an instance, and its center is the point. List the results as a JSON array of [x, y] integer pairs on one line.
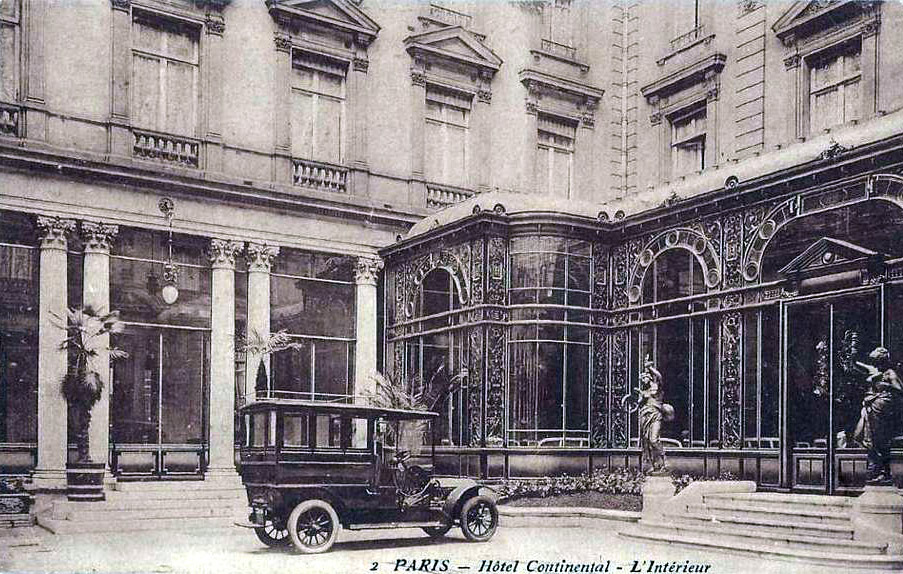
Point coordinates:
[[158, 404], [825, 338]]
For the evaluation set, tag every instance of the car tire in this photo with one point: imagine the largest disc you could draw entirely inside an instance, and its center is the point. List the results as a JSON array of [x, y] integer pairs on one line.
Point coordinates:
[[479, 518], [437, 531], [272, 536], [313, 526]]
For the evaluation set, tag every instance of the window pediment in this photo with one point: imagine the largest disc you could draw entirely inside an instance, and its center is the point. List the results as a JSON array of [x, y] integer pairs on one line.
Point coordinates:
[[696, 73], [338, 15], [816, 18], [827, 255], [562, 97], [454, 44]]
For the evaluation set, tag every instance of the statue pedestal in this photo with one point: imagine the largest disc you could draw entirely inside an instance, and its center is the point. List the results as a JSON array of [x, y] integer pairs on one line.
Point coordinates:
[[657, 491], [878, 514]]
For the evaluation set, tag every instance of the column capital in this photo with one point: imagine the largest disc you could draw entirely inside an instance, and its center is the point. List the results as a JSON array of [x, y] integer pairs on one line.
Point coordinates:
[[215, 24], [260, 256], [283, 42], [52, 231], [98, 237], [366, 269], [222, 252]]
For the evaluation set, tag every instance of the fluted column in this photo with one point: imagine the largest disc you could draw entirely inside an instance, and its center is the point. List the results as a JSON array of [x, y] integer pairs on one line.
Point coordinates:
[[52, 413], [366, 271], [97, 238], [260, 258], [222, 360]]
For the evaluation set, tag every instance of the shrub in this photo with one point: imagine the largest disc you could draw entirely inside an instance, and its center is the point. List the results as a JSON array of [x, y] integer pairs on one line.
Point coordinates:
[[615, 481]]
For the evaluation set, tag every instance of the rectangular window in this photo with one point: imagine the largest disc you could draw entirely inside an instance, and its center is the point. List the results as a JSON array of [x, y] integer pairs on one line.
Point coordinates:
[[9, 50], [558, 23], [165, 68], [295, 431], [835, 83], [446, 134], [688, 134], [318, 109], [555, 156]]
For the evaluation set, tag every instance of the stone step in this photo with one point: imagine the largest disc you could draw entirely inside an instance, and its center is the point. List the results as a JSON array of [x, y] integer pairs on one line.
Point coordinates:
[[136, 524], [785, 501], [156, 494], [765, 525], [177, 485], [187, 511], [870, 563], [63, 510], [772, 513], [747, 537]]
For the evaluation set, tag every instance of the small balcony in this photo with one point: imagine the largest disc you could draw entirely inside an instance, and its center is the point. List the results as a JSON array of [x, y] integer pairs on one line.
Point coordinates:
[[684, 40], [319, 176], [173, 150], [448, 16], [560, 50], [440, 196]]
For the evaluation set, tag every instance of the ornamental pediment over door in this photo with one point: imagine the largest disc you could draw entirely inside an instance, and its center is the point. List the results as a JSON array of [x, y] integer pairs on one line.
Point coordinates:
[[454, 44], [808, 17], [828, 255], [335, 14]]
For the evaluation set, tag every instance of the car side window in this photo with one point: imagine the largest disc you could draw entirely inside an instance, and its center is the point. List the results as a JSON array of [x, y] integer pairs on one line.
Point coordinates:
[[295, 431]]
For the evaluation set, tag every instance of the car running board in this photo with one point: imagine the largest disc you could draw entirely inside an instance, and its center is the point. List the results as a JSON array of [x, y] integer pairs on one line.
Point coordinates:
[[383, 525]]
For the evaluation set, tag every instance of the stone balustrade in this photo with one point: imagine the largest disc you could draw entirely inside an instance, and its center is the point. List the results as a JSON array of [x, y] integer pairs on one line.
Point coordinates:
[[450, 17], [319, 176], [688, 38], [441, 196], [168, 149], [560, 50]]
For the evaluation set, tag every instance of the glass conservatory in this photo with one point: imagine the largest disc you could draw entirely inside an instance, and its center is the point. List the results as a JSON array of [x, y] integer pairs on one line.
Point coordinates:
[[535, 317]]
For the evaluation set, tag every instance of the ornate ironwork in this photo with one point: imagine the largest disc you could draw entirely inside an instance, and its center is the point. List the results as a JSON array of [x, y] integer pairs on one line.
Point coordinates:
[[681, 238], [497, 257], [495, 383], [731, 336], [822, 369], [619, 389], [475, 390], [599, 391]]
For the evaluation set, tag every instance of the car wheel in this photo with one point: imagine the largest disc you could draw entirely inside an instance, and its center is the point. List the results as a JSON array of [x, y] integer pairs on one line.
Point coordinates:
[[273, 536], [313, 526], [479, 518], [437, 531]]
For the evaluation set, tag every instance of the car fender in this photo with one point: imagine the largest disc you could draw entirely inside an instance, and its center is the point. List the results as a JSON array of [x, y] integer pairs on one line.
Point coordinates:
[[461, 492]]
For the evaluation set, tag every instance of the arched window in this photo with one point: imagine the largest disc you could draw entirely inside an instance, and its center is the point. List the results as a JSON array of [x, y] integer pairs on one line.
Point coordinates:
[[675, 273]]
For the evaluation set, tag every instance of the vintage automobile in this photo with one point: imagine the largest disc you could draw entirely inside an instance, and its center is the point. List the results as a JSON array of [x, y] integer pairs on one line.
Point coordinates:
[[312, 468]]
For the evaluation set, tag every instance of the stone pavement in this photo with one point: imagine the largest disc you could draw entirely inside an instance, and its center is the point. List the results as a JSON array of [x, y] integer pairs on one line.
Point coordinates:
[[236, 550]]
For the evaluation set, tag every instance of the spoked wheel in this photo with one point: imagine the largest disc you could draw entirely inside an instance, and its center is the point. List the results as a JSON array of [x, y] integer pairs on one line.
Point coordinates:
[[313, 526], [437, 531], [273, 536], [479, 519]]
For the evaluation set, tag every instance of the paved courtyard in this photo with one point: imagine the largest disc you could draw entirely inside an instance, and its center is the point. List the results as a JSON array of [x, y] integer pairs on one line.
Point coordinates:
[[536, 549]]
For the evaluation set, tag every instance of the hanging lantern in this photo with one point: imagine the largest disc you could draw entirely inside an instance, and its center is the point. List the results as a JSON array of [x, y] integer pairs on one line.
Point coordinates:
[[169, 292]]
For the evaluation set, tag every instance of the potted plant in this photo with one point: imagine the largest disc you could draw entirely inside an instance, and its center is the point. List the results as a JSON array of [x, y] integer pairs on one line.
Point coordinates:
[[82, 387]]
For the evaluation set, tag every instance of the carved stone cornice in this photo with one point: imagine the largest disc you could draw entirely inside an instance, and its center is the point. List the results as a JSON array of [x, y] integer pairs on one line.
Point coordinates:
[[260, 257], [484, 96], [366, 270], [283, 42], [215, 24], [360, 64], [121, 5], [52, 231], [655, 118], [222, 252], [418, 78], [792, 61], [98, 237], [700, 71]]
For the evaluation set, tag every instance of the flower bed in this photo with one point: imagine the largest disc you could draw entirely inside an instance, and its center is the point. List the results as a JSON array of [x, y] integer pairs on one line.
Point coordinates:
[[622, 487], [15, 503]]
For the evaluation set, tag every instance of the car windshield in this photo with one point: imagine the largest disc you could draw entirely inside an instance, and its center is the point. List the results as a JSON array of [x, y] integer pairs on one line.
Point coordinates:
[[412, 435]]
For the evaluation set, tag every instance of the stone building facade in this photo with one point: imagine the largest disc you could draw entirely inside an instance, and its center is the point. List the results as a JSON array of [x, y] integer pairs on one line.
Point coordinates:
[[290, 143]]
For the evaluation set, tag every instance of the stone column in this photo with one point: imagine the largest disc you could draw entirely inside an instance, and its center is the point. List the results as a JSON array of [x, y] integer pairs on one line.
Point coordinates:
[[214, 27], [121, 71], [480, 176], [50, 473], [97, 238], [357, 118], [282, 144], [366, 332], [260, 258], [34, 19], [222, 360], [418, 132]]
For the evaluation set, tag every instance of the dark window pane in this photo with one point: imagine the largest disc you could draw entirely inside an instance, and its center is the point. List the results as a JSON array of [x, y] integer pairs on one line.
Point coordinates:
[[331, 376], [292, 370], [294, 432], [134, 406], [550, 367], [184, 368], [304, 307], [577, 374], [135, 290]]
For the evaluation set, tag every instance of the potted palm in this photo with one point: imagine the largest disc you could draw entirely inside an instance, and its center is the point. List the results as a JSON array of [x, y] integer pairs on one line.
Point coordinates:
[[82, 387], [256, 343]]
